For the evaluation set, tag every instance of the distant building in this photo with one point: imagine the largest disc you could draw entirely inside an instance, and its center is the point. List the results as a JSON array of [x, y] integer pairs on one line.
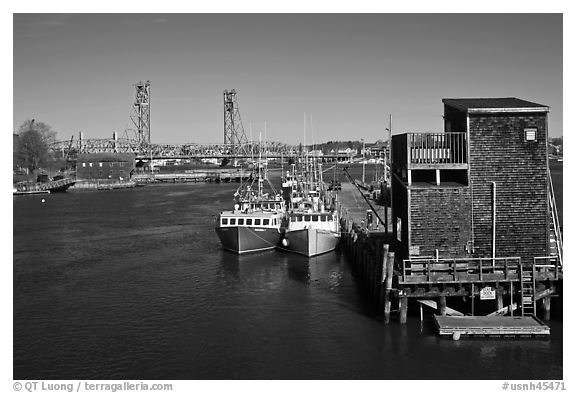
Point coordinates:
[[105, 166], [377, 149], [479, 189]]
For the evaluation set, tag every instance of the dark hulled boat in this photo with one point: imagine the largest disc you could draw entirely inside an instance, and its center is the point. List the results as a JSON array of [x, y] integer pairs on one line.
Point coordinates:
[[244, 232]]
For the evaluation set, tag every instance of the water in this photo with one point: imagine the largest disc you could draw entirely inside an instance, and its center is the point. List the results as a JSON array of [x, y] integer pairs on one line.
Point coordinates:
[[133, 284]]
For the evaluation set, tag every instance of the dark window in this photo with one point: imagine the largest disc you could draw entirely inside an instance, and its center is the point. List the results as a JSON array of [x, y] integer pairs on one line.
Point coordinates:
[[266, 221], [257, 221], [224, 221], [240, 221], [232, 221], [248, 221]]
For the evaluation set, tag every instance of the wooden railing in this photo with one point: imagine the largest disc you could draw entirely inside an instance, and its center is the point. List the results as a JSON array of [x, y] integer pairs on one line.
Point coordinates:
[[430, 269], [433, 270], [547, 267], [437, 148]]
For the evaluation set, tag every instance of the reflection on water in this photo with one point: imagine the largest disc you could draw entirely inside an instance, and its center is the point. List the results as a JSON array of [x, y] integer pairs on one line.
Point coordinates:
[[134, 285]]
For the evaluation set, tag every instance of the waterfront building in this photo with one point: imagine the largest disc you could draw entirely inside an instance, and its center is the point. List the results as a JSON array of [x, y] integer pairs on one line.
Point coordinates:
[[105, 166], [479, 189]]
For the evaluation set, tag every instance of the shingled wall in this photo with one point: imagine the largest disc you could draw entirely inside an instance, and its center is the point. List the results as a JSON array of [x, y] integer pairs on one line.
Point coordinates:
[[440, 220], [499, 153]]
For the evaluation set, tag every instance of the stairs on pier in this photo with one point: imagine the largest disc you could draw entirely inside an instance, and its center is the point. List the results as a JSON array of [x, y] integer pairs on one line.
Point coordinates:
[[528, 288], [555, 232]]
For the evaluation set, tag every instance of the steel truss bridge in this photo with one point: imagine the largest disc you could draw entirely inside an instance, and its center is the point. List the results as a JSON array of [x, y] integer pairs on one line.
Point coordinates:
[[137, 141], [71, 149]]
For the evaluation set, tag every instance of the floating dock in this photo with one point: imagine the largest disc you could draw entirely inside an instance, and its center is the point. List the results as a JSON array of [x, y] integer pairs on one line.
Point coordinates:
[[490, 326]]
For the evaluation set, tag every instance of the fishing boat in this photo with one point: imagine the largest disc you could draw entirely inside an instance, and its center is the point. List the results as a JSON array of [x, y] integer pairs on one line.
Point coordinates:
[[255, 222], [313, 228], [311, 233], [244, 232]]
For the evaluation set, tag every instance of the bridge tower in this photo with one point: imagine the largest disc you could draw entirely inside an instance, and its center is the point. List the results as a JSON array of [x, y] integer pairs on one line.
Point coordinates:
[[141, 114], [234, 134]]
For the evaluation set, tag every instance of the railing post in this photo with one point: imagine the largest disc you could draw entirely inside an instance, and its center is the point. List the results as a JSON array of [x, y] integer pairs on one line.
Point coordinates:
[[480, 266], [403, 269]]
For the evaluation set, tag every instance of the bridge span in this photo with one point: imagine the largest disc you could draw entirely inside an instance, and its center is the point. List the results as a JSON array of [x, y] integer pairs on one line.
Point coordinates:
[[273, 150]]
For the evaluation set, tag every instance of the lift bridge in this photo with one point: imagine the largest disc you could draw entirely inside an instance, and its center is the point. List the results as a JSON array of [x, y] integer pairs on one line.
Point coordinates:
[[137, 140], [70, 149]]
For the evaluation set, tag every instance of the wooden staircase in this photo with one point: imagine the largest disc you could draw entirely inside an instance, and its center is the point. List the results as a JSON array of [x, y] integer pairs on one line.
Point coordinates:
[[555, 232]]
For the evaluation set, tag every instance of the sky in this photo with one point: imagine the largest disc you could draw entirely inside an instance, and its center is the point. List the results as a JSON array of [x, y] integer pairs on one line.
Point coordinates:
[[347, 73]]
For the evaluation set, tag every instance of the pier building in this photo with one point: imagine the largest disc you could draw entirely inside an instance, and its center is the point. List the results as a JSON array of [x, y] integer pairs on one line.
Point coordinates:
[[473, 215]]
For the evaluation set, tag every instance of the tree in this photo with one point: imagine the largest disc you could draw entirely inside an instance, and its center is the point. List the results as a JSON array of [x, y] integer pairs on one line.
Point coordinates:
[[34, 139]]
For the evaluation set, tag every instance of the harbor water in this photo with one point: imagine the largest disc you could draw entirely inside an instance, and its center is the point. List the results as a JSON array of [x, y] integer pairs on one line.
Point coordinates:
[[133, 284]]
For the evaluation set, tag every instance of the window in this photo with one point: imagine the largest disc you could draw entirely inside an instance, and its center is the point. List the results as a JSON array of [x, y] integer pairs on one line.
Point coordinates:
[[90, 165], [240, 221], [530, 134], [399, 229], [307, 218], [257, 221], [248, 221], [266, 221], [83, 165], [224, 221], [232, 221], [314, 218], [323, 218], [293, 219], [100, 164]]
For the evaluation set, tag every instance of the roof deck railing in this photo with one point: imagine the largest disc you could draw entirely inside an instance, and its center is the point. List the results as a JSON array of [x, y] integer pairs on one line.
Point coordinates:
[[446, 150], [437, 148]]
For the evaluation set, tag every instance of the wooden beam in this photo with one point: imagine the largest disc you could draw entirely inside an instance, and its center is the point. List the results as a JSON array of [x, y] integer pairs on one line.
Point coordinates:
[[432, 304], [503, 310], [545, 293]]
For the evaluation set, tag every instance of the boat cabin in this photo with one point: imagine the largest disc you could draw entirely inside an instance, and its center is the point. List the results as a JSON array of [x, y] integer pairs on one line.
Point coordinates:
[[262, 221]]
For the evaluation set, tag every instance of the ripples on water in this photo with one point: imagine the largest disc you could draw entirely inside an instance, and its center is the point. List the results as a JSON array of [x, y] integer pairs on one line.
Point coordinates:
[[133, 284]]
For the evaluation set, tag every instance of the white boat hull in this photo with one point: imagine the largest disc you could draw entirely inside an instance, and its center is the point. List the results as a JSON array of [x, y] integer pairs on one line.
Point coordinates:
[[310, 241]]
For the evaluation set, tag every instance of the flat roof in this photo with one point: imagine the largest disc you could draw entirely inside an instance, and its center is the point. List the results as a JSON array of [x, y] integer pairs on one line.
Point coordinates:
[[494, 105]]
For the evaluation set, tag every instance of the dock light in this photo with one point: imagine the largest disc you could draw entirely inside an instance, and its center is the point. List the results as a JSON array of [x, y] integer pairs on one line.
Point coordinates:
[[43, 200]]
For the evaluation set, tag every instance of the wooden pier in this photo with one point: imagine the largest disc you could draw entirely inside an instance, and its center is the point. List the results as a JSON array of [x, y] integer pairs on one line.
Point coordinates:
[[490, 326], [512, 287]]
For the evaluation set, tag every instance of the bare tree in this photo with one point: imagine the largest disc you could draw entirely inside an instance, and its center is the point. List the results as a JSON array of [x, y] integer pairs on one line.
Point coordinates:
[[34, 139]]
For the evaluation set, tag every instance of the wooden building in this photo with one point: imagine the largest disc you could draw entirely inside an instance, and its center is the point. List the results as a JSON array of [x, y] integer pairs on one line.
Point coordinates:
[[478, 189], [105, 166], [474, 203]]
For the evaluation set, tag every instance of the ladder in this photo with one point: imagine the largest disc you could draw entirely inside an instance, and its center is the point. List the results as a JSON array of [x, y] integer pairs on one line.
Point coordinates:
[[555, 233], [527, 288]]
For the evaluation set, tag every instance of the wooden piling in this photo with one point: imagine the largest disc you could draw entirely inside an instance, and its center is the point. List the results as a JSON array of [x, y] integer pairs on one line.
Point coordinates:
[[387, 272], [472, 297], [442, 305], [546, 302], [403, 309], [499, 298]]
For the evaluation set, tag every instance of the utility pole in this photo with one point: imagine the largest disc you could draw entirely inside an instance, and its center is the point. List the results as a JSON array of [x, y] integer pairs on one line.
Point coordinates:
[[363, 160], [388, 161]]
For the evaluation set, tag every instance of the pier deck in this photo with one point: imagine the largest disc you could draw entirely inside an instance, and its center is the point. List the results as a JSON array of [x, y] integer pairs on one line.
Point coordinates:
[[355, 206], [490, 326]]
